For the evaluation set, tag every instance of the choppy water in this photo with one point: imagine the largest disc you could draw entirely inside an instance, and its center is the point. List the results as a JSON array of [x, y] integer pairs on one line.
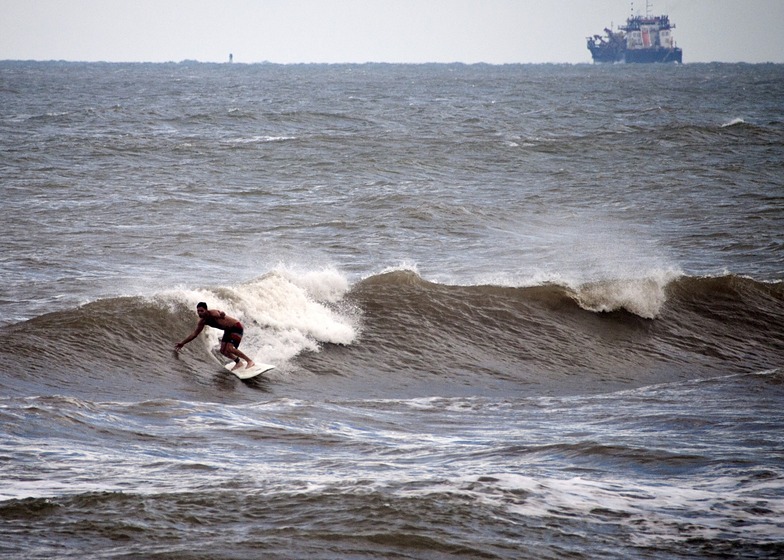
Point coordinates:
[[516, 311]]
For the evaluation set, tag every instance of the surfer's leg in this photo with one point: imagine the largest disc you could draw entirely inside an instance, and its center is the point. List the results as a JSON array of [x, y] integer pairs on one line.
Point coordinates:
[[228, 350], [231, 340]]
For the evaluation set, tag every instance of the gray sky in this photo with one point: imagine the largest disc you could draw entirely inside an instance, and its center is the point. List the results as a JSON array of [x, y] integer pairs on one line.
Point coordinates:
[[286, 31]]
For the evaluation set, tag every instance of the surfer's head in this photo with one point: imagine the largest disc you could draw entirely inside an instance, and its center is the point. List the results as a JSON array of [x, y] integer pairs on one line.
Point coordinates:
[[201, 308]]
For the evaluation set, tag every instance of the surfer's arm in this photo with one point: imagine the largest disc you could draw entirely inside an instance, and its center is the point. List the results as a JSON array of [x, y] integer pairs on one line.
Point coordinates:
[[194, 334]]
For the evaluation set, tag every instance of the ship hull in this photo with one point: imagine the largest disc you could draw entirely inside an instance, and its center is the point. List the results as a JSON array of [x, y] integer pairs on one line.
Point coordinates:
[[653, 55], [605, 55], [639, 56]]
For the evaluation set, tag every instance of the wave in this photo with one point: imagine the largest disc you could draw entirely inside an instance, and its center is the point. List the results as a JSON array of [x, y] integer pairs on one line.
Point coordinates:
[[684, 135], [119, 344], [591, 329], [396, 331]]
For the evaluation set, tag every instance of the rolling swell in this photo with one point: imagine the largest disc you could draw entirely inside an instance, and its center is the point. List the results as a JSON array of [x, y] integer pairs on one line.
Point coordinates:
[[413, 336], [103, 349], [547, 336]]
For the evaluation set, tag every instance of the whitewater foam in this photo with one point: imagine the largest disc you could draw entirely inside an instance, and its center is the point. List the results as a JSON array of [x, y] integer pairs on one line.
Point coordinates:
[[284, 312], [644, 297], [733, 122]]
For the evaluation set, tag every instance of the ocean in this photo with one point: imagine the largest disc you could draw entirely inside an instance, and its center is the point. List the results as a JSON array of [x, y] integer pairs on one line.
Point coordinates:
[[523, 311]]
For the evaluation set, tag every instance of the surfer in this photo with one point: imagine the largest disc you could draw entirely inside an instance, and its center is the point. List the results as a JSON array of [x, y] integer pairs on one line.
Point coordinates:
[[232, 333]]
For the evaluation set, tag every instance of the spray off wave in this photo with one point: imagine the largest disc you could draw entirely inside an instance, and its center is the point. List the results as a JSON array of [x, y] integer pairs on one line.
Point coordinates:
[[640, 292]]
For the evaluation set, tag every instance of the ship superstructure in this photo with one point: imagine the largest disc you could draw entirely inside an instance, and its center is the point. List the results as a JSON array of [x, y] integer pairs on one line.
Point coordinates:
[[643, 39]]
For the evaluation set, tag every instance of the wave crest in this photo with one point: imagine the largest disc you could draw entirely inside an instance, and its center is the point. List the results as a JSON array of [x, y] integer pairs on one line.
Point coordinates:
[[644, 297]]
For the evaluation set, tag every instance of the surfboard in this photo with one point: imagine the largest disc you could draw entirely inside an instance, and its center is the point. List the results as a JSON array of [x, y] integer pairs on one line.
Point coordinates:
[[246, 373]]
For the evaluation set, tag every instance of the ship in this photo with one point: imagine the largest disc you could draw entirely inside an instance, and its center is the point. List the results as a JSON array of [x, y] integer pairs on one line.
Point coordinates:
[[644, 39]]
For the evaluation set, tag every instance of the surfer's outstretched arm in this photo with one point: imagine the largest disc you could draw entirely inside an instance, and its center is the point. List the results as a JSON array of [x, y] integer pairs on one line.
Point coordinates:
[[194, 334]]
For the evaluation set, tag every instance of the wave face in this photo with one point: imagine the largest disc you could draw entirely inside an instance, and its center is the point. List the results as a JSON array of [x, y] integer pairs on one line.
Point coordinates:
[[519, 333], [410, 335]]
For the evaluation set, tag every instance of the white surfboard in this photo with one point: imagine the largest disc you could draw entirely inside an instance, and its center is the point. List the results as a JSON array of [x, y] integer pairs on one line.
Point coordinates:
[[246, 373]]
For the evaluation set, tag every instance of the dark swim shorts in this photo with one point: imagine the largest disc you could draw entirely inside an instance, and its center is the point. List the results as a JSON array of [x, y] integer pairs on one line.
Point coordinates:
[[233, 335]]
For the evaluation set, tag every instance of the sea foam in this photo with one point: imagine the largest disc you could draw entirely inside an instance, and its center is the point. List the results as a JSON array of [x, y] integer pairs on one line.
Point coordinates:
[[284, 312]]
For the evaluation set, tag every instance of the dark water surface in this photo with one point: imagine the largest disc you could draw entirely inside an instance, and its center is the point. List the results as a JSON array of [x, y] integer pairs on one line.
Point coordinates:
[[516, 311]]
